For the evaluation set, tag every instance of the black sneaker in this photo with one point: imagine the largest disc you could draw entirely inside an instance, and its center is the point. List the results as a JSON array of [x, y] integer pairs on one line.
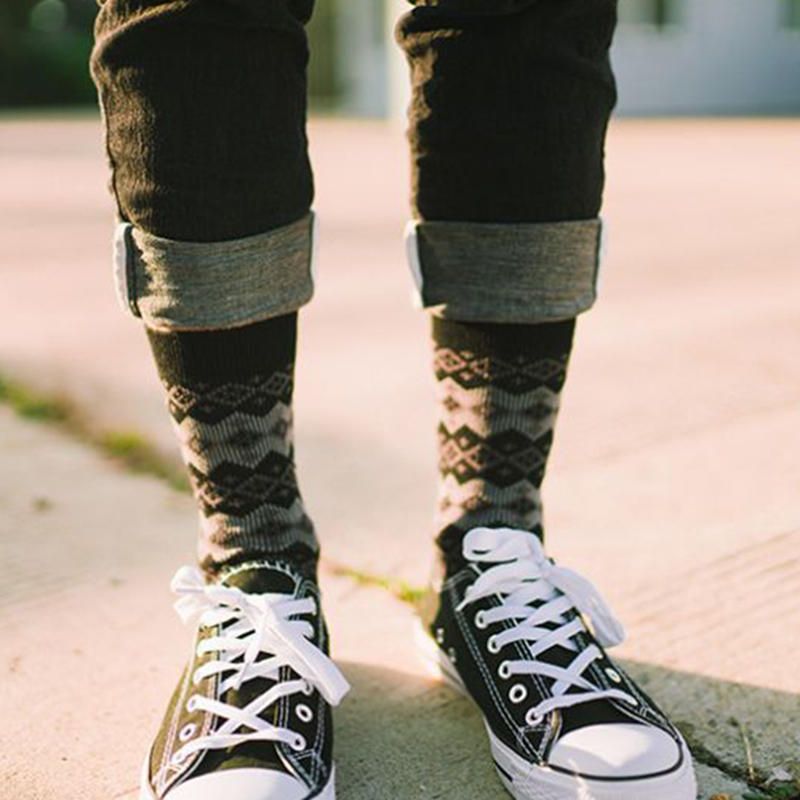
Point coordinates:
[[251, 717], [564, 722]]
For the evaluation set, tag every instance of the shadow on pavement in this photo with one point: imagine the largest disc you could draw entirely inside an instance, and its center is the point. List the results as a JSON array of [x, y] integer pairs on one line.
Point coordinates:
[[402, 736], [751, 732]]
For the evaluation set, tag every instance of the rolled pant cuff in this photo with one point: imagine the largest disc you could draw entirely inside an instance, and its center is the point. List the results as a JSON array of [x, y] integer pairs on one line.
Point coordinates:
[[175, 285], [518, 272]]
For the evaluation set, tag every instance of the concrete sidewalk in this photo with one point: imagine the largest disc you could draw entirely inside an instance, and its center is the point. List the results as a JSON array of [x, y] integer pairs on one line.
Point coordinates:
[[91, 650], [687, 365], [673, 484]]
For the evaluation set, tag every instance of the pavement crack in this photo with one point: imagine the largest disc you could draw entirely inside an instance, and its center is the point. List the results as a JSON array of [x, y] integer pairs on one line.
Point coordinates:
[[127, 448], [763, 788], [402, 590]]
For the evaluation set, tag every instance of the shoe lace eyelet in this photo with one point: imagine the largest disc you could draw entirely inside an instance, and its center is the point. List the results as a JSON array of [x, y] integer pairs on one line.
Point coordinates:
[[532, 719], [517, 694], [187, 731], [492, 646], [480, 621], [304, 713], [191, 704], [613, 674], [504, 670], [298, 743], [308, 689]]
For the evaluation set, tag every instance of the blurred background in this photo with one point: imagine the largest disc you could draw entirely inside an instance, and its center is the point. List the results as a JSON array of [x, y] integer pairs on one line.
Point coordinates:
[[673, 482], [671, 56]]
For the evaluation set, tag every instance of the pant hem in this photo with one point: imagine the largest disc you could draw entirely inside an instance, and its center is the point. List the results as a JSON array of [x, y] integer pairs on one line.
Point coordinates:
[[173, 285], [512, 273]]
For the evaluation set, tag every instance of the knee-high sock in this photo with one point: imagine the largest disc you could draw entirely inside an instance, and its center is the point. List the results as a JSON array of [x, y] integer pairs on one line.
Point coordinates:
[[229, 394], [498, 392]]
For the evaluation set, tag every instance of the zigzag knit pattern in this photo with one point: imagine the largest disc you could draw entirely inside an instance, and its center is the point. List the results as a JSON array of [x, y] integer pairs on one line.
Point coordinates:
[[497, 411], [236, 440]]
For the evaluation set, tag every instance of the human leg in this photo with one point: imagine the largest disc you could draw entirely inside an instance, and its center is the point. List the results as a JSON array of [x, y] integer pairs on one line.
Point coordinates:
[[510, 105], [204, 106]]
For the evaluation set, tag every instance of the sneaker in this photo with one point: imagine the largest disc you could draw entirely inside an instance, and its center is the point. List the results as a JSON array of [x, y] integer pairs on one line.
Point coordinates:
[[251, 716], [510, 630]]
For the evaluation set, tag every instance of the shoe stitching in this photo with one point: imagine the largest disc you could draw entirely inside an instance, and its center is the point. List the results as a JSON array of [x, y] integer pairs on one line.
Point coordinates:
[[160, 778], [645, 711], [484, 670], [320, 768], [292, 756], [524, 649], [212, 692], [311, 777], [163, 778], [186, 769], [522, 731]]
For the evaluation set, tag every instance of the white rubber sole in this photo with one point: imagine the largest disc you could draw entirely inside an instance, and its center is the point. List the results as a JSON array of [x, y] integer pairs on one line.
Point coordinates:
[[146, 793], [526, 781]]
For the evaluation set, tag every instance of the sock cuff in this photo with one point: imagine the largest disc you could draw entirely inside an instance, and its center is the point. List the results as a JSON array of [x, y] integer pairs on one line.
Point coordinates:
[[541, 340], [230, 354]]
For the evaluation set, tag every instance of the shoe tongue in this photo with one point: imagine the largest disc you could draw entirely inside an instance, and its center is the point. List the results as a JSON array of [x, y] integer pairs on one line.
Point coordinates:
[[262, 577]]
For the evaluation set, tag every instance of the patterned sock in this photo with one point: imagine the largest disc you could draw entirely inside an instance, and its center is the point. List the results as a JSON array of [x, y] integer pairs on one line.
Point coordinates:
[[498, 390], [230, 396]]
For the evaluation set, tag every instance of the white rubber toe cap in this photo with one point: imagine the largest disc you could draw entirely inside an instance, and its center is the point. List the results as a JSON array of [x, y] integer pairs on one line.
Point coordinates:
[[620, 750], [240, 784]]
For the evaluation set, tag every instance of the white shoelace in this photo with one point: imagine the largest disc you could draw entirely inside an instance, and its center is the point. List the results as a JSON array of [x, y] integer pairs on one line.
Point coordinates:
[[255, 625], [523, 575]]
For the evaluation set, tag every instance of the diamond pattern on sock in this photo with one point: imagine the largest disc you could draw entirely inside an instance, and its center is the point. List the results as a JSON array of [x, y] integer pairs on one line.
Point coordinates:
[[236, 440], [229, 393], [515, 374], [239, 438], [497, 410], [503, 458], [211, 403], [238, 489]]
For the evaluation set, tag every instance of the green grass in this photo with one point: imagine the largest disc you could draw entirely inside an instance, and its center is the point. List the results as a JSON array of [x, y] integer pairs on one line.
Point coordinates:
[[402, 590], [126, 448], [30, 405], [138, 455]]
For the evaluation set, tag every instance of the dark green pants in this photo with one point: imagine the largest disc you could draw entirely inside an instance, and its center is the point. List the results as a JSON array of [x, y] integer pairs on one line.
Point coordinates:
[[205, 107]]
